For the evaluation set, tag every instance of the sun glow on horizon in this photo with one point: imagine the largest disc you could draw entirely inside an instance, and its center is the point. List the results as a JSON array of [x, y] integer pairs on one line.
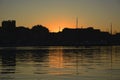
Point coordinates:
[[56, 25], [58, 14]]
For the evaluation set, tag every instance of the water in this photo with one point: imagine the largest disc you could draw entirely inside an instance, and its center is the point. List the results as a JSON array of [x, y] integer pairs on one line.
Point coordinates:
[[60, 63]]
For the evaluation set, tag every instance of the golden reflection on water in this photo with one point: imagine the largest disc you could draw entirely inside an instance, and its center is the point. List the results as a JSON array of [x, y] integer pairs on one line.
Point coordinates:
[[62, 63], [56, 59], [78, 61], [94, 63]]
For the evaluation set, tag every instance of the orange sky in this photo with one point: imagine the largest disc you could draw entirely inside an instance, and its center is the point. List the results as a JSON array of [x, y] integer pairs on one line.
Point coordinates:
[[54, 13]]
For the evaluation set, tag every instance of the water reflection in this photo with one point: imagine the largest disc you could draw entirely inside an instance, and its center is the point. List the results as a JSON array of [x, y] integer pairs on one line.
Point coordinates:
[[8, 62], [56, 58], [60, 63], [35, 61]]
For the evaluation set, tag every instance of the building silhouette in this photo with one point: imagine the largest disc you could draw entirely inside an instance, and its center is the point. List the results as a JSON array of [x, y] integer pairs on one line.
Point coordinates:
[[9, 25], [39, 35]]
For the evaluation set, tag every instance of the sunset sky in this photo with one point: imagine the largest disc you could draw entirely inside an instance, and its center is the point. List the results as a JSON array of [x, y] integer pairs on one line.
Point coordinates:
[[63, 13]]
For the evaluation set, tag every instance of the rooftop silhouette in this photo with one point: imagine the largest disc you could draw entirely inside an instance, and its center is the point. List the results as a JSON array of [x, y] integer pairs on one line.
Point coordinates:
[[39, 35]]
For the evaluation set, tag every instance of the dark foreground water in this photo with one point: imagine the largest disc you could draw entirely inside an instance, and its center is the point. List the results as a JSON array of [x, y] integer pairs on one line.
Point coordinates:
[[60, 63]]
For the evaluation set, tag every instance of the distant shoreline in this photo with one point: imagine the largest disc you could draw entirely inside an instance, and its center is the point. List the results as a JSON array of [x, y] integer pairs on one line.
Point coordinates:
[[59, 45], [39, 35]]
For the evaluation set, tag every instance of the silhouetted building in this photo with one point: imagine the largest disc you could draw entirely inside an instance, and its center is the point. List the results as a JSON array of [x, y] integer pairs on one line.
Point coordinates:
[[39, 35], [9, 25]]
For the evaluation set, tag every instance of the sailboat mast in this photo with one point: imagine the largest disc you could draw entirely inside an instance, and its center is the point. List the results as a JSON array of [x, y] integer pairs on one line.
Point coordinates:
[[76, 22], [111, 28]]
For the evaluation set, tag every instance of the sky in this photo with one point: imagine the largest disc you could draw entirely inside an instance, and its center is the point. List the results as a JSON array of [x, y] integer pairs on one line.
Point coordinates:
[[55, 14]]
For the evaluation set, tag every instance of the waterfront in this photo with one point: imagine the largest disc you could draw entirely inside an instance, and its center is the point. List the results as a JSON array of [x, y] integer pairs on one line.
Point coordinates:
[[60, 63]]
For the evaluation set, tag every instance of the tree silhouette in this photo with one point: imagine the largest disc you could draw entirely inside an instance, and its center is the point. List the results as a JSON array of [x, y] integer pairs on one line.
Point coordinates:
[[40, 35], [40, 29]]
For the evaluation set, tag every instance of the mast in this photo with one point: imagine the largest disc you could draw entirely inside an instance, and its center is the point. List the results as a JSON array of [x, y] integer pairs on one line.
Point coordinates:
[[111, 28], [76, 22], [59, 28]]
